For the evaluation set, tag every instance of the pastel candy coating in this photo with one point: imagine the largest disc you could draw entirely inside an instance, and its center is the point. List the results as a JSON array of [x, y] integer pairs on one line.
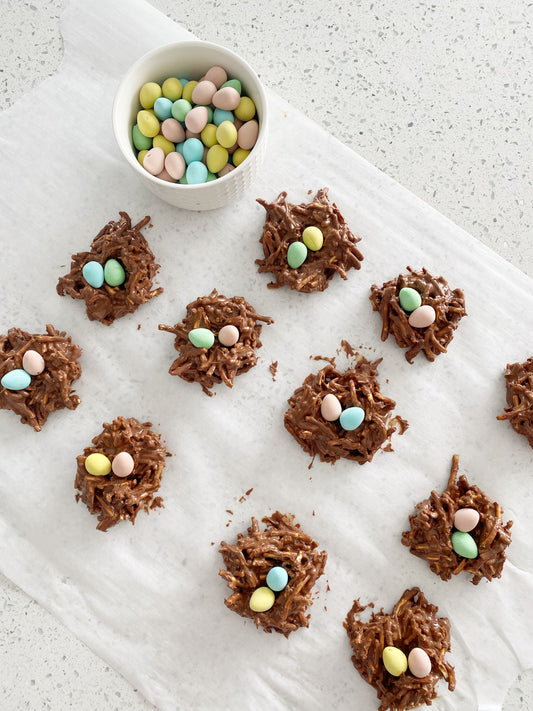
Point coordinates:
[[33, 362], [313, 238], [209, 135], [410, 299], [188, 90], [163, 143], [183, 180], [148, 123], [419, 663], [17, 379], [240, 155], [277, 578], [196, 119], [217, 75], [227, 98], [210, 177], [180, 109], [154, 160], [262, 599], [196, 173], [217, 157], [220, 115], [165, 175], [140, 156], [172, 130], [172, 89], [114, 273], [464, 545], [351, 418], [93, 273], [98, 464], [235, 83], [141, 142], [175, 165], [193, 149], [247, 134], [192, 134], [296, 254], [465, 519], [228, 335], [183, 81], [201, 337], [331, 408], [179, 147], [148, 94], [122, 464], [422, 317], [246, 109], [163, 108], [225, 170], [394, 660], [203, 92]]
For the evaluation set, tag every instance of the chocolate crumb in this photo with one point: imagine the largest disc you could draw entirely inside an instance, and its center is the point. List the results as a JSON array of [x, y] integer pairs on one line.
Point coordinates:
[[229, 511], [273, 367], [249, 491]]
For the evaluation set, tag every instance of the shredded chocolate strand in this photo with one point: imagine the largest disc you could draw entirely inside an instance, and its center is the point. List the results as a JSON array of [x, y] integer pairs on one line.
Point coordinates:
[[519, 391]]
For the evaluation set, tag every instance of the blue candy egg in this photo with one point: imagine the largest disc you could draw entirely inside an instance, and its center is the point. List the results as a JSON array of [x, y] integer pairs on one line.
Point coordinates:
[[351, 418], [93, 273], [196, 173], [193, 149], [220, 115], [16, 379], [183, 81], [163, 108], [277, 578], [179, 147]]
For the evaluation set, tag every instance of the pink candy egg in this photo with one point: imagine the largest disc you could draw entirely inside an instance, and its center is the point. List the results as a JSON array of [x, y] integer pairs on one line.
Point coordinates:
[[33, 363], [154, 161], [165, 175], [175, 165], [172, 130], [227, 98], [247, 134], [203, 92], [196, 119], [122, 465], [422, 317], [331, 408], [228, 335], [465, 519], [419, 663], [217, 75]]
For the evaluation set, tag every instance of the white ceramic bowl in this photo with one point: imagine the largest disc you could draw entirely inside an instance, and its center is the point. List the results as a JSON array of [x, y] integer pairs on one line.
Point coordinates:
[[190, 59]]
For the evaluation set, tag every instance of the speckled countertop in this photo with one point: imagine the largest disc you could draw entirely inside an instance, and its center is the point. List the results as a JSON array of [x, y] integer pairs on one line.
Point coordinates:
[[438, 95]]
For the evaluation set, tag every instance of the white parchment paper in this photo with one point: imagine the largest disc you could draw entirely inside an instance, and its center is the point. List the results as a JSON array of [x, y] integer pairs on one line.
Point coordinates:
[[148, 598]]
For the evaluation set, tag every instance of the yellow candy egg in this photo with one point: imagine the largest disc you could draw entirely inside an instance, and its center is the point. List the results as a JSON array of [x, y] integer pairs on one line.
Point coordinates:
[[172, 89], [163, 143], [262, 599], [148, 124], [217, 157], [312, 237], [209, 135], [394, 660], [239, 155], [98, 464], [246, 109], [140, 156], [226, 134], [149, 94], [187, 90]]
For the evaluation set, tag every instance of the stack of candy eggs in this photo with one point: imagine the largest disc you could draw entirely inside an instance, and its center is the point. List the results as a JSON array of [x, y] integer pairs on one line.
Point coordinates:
[[194, 131]]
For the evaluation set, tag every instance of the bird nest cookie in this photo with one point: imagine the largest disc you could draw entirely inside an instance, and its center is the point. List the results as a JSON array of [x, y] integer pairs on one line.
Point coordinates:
[[343, 415], [305, 245], [272, 573], [120, 473], [402, 654], [519, 387], [460, 530], [36, 372], [216, 341], [115, 277], [420, 311]]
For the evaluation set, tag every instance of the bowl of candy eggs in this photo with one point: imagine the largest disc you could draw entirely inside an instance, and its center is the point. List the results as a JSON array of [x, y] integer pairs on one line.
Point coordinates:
[[190, 118]]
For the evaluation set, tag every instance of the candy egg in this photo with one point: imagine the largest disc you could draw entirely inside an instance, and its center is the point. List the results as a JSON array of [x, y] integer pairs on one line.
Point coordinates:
[[464, 545], [246, 109], [226, 134], [148, 94], [219, 115], [180, 109], [141, 142], [203, 92], [201, 337], [262, 599], [394, 660], [331, 408], [410, 299], [209, 135], [163, 108], [296, 254], [140, 156], [247, 135], [193, 149], [154, 160], [196, 173], [227, 98], [163, 143], [175, 165], [419, 663], [240, 155], [196, 119], [98, 464], [148, 124], [235, 83], [228, 335], [165, 175], [313, 238], [172, 89], [122, 464], [17, 379], [114, 273], [172, 130], [464, 520], [33, 362], [225, 170], [351, 418], [277, 578], [93, 273], [217, 158], [217, 75], [188, 90], [422, 317]]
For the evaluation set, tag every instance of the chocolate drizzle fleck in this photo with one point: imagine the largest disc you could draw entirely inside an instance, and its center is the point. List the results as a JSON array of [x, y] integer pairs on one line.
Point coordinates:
[[519, 388], [249, 560], [285, 223]]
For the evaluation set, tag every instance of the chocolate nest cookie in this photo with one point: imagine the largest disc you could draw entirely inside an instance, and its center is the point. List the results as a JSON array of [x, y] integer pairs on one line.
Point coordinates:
[[115, 277], [272, 574], [335, 252], [459, 530], [519, 386], [402, 655], [336, 415], [123, 473], [420, 311], [216, 340], [37, 371]]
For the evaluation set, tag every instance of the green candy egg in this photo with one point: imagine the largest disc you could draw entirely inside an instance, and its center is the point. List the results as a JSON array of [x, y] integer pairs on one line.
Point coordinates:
[[410, 299], [141, 142], [464, 545], [296, 254], [201, 337], [114, 273], [235, 83]]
